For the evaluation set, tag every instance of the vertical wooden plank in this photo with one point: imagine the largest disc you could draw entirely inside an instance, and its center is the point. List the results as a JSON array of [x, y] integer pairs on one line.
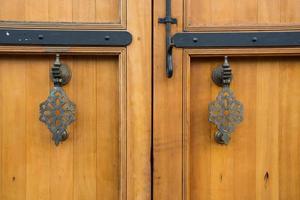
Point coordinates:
[[139, 100], [269, 11], [37, 133], [289, 11], [60, 10], [200, 135], [62, 156], [12, 10], [222, 13], [222, 175], [167, 110], [108, 11], [108, 129], [123, 123], [289, 139], [84, 10], [186, 131], [244, 137], [85, 128], [36, 10], [13, 131], [245, 12], [267, 128], [194, 17]]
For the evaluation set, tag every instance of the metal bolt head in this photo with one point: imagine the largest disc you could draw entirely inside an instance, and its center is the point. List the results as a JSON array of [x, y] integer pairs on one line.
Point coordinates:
[[40, 36]]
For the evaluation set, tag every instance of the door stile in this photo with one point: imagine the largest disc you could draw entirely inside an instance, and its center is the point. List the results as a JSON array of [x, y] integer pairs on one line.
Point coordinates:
[[139, 101], [167, 110]]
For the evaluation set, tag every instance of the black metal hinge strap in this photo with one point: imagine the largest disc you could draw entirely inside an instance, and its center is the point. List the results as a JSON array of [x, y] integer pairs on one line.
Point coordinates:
[[237, 39], [64, 38]]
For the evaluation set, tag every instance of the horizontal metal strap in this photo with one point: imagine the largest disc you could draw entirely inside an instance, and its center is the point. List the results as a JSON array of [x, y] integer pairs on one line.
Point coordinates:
[[236, 39], [65, 38]]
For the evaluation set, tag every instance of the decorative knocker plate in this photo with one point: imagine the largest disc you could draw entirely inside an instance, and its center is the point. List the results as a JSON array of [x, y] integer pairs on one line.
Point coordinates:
[[225, 112], [58, 112]]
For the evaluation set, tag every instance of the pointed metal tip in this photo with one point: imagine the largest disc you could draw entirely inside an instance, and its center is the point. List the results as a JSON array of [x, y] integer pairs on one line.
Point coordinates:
[[226, 60], [226, 63], [57, 59]]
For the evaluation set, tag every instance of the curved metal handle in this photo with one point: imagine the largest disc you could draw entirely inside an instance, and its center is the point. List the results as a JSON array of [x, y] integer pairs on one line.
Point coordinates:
[[58, 112], [169, 63], [225, 112], [169, 67]]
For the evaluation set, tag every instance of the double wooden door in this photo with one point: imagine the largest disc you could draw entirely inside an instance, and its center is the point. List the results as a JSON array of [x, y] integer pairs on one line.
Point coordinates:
[[139, 134]]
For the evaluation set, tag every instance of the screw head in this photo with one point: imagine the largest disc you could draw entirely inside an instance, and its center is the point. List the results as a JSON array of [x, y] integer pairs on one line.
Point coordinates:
[[40, 36]]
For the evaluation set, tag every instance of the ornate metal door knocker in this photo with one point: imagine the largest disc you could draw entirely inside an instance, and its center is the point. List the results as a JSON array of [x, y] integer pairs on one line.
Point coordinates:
[[58, 112], [226, 112]]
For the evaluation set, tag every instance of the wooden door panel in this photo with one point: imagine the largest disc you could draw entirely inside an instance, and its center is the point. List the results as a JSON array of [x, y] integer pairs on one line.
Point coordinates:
[[262, 160], [107, 155], [90, 13], [86, 166], [240, 14]]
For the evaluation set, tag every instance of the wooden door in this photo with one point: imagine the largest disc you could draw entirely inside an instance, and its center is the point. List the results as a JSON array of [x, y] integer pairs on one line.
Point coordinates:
[[107, 154], [262, 160]]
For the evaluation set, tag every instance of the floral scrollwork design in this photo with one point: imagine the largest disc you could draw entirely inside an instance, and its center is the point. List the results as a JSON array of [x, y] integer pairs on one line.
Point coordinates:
[[57, 112], [225, 112]]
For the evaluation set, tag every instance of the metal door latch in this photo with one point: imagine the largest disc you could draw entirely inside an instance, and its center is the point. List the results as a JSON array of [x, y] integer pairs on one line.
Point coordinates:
[[225, 112], [222, 39], [168, 20], [58, 112]]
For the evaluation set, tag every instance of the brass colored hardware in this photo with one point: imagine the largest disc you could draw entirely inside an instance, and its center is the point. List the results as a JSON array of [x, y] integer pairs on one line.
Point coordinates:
[[225, 112], [58, 112]]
